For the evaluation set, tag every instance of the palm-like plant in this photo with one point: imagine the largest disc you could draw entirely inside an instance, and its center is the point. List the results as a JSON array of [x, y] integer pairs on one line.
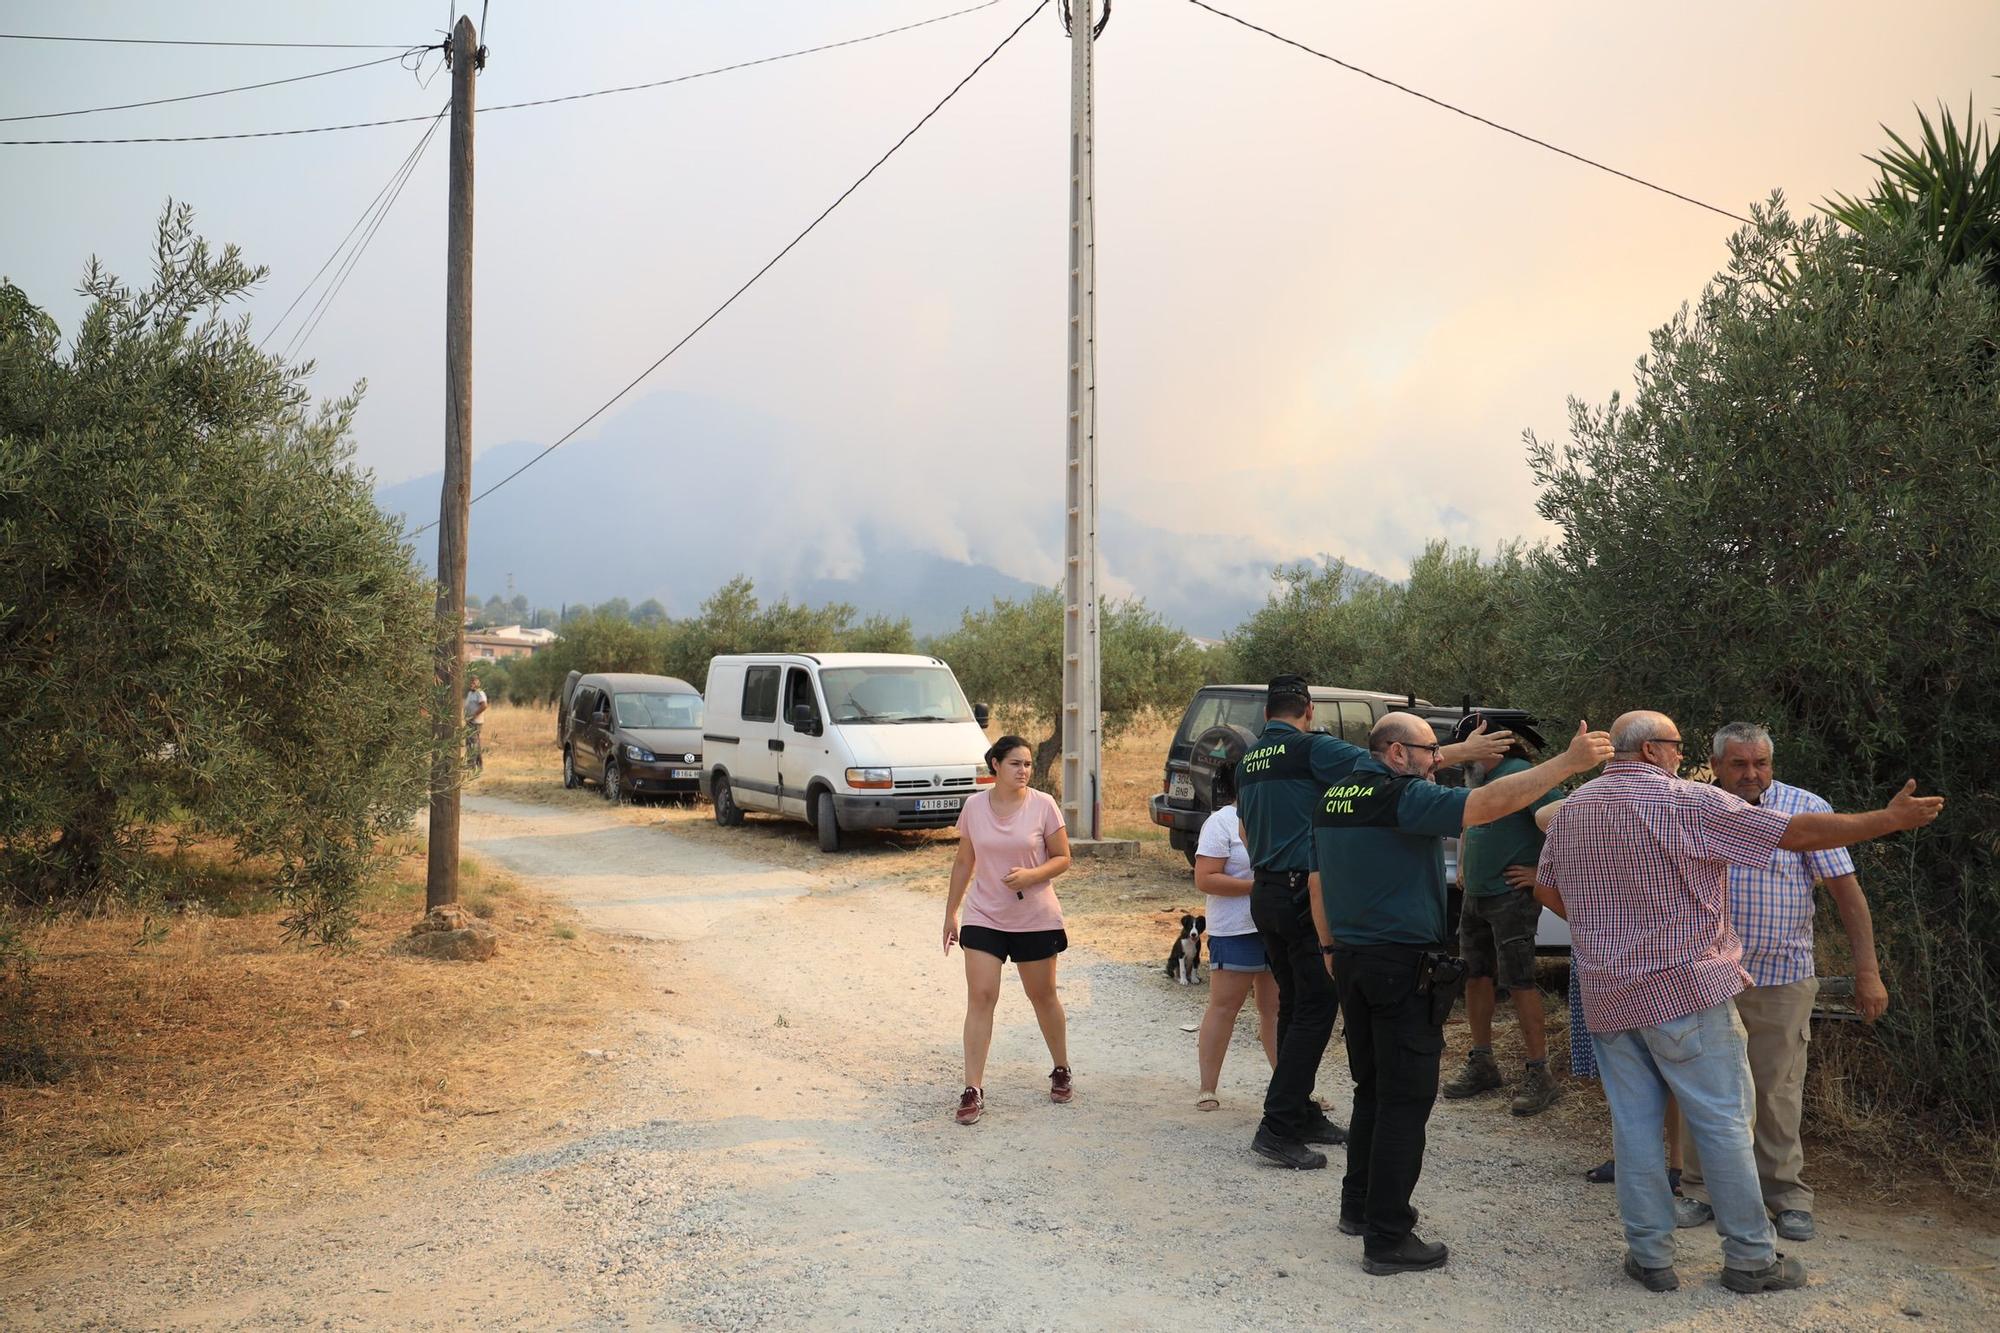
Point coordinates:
[[1945, 188]]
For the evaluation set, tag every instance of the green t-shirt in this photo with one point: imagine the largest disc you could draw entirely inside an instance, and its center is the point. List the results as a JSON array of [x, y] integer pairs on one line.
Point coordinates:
[[1379, 841], [1486, 851]]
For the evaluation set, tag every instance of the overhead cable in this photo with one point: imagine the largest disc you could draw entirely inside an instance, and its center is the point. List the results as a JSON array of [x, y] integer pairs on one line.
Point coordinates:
[[169, 41], [1469, 115], [401, 173], [516, 106], [219, 92], [688, 337]]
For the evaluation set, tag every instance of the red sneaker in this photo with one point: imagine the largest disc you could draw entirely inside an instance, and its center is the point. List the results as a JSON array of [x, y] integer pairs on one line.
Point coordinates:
[[1059, 1088], [971, 1105]]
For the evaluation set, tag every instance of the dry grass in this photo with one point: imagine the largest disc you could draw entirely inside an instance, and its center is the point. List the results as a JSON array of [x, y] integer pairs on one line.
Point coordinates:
[[221, 1068]]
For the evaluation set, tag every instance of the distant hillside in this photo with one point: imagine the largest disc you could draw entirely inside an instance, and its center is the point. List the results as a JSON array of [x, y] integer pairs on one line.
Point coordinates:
[[659, 506]]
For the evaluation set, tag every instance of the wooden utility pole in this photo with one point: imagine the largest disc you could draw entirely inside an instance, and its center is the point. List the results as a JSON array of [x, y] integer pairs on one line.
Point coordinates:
[[447, 711]]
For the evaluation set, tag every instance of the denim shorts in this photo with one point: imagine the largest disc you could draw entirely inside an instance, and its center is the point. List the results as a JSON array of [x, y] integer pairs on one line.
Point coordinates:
[[1237, 953]]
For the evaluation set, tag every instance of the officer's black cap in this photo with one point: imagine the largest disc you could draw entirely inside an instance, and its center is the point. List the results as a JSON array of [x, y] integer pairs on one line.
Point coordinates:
[[1289, 687]]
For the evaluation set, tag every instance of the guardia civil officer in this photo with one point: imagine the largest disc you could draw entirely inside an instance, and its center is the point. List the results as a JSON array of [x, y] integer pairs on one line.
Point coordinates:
[[1278, 784], [1378, 906]]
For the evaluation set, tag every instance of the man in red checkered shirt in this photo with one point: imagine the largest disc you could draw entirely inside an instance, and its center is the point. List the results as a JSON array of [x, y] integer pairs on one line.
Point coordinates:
[[1641, 860]]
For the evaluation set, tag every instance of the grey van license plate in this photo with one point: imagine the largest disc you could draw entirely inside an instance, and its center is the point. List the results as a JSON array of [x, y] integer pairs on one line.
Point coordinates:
[[941, 803], [684, 773]]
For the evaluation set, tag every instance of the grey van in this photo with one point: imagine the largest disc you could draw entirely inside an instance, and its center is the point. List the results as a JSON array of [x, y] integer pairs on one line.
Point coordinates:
[[630, 734]]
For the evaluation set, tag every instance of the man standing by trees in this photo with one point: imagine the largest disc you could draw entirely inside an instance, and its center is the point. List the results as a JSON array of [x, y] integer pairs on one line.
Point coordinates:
[[1771, 907], [1496, 934], [1279, 782], [1638, 856]]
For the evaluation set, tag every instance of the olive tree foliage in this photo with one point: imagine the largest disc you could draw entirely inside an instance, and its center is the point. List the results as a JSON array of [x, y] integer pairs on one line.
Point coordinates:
[[732, 620], [205, 623], [1795, 521], [1451, 629], [1009, 655]]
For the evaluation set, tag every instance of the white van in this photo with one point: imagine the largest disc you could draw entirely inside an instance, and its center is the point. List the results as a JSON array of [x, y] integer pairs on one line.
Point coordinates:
[[843, 741]]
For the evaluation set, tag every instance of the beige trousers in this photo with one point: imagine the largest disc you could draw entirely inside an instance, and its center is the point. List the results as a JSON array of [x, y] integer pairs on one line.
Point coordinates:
[[1777, 1021]]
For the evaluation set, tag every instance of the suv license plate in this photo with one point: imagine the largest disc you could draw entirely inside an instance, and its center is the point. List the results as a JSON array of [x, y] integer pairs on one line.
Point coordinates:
[[1180, 788], [941, 803], [684, 773]]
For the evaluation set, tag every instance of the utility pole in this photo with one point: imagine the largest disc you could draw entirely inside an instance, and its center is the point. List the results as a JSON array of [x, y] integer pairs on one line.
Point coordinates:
[[1082, 722], [447, 724]]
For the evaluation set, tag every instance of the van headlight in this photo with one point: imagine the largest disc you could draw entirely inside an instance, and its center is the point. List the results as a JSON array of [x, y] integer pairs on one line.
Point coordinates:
[[639, 754], [870, 779]]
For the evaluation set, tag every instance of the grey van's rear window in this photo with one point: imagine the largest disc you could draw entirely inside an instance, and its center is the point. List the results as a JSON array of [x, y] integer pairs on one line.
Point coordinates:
[[1223, 710], [659, 710], [893, 694]]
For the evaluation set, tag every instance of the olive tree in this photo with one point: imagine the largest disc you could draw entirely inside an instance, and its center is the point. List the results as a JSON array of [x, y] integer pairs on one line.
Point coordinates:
[[1795, 520], [207, 625]]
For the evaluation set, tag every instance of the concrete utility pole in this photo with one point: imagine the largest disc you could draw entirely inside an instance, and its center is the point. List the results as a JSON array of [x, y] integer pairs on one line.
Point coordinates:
[[1082, 729], [447, 724]]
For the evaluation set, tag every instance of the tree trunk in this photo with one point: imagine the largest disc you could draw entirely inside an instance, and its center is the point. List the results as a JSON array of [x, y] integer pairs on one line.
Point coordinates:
[[1046, 755]]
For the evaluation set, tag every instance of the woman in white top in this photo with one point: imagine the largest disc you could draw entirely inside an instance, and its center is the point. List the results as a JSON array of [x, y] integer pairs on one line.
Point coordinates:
[[1236, 959]]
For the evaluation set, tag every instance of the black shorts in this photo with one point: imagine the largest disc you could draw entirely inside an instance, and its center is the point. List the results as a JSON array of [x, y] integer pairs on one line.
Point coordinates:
[[1023, 946], [1496, 933]]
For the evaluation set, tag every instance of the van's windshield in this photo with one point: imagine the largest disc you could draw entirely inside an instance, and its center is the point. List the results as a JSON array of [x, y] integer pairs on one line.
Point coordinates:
[[678, 711], [885, 694]]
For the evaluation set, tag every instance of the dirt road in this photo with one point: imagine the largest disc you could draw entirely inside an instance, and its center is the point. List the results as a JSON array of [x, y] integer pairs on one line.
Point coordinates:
[[774, 1148]]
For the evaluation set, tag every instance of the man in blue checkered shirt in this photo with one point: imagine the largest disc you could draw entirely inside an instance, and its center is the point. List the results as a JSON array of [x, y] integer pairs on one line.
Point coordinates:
[[1771, 908]]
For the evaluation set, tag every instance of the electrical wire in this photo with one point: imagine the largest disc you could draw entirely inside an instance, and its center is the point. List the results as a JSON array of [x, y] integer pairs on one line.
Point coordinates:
[[219, 92], [325, 303], [770, 264], [516, 106], [1469, 115], [401, 170], [167, 41]]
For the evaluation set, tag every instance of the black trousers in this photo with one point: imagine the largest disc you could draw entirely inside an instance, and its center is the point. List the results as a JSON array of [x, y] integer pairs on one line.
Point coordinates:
[[1393, 1044], [1307, 1001]]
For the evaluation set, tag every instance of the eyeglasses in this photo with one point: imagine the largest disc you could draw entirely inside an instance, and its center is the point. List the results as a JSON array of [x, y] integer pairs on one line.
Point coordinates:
[[1674, 741], [1409, 745]]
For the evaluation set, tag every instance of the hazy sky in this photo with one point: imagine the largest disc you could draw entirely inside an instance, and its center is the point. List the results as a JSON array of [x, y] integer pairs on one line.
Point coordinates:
[[1327, 310]]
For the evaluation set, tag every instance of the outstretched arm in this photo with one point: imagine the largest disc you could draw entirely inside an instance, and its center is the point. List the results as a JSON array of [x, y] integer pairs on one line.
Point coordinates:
[[1817, 832], [1503, 796]]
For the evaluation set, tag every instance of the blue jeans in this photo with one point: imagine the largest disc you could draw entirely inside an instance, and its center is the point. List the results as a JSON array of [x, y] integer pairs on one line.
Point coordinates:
[[1701, 1057]]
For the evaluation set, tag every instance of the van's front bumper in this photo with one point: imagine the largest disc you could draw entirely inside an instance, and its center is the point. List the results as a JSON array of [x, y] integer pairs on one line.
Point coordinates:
[[895, 810]]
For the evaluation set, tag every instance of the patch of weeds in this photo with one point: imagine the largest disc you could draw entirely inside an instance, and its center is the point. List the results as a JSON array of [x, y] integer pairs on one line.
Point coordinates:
[[782, 1022], [564, 932]]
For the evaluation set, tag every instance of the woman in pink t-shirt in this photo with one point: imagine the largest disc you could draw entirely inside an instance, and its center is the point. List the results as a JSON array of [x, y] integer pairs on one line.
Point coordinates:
[[1011, 846]]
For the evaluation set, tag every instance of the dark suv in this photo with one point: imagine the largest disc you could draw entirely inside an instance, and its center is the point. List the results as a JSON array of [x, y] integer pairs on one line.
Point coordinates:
[[1220, 725]]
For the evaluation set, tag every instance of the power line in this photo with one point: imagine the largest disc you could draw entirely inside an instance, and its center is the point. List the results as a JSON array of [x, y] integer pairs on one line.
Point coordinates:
[[515, 106], [768, 266], [167, 41], [219, 92], [400, 174], [325, 303], [1469, 115]]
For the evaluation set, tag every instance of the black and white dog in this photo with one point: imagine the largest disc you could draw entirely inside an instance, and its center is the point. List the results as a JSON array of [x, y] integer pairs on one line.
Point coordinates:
[[1184, 963]]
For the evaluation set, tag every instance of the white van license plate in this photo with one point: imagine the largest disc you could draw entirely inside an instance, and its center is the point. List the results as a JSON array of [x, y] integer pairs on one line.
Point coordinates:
[[1180, 787], [941, 803], [684, 773]]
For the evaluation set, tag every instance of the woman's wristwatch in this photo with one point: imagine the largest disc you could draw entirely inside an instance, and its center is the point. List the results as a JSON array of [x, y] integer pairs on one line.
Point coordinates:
[[1326, 949]]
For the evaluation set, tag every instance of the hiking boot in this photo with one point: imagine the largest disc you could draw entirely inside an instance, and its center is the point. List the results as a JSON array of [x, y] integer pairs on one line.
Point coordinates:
[[1536, 1093], [1286, 1152], [1410, 1256], [1781, 1274], [1354, 1226], [971, 1105], [1059, 1088], [1325, 1130], [1794, 1224], [1480, 1074], [1691, 1212], [1652, 1279]]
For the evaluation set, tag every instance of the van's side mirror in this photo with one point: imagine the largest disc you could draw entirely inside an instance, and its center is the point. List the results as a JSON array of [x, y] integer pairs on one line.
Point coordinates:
[[980, 714], [804, 719]]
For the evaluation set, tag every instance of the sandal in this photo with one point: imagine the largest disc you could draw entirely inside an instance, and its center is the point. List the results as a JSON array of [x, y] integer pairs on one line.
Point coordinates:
[[1208, 1101], [1604, 1174]]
